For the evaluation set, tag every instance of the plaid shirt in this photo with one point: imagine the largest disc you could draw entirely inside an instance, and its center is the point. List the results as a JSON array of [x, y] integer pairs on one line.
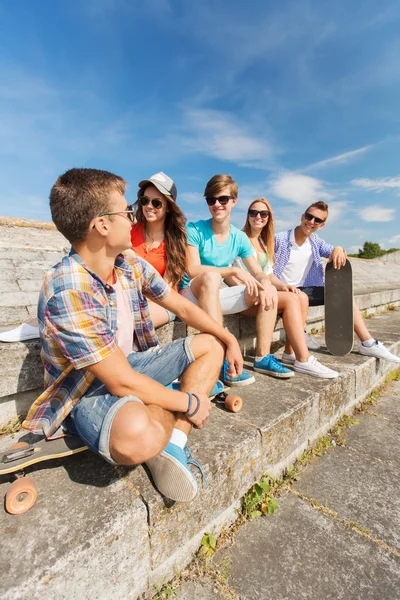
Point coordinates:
[[283, 246], [78, 321]]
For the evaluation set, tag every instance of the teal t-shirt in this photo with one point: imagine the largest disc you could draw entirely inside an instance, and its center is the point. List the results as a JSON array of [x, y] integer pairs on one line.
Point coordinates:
[[213, 254]]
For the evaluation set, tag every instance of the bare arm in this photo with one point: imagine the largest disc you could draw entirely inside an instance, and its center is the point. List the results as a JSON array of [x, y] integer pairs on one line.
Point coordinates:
[[194, 316], [194, 266], [121, 380]]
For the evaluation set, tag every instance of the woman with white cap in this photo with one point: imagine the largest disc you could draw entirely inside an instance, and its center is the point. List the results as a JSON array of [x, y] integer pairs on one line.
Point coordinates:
[[159, 234]]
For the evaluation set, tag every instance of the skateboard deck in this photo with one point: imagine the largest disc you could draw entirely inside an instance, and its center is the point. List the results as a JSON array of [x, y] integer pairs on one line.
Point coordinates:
[[22, 454], [339, 320], [22, 494]]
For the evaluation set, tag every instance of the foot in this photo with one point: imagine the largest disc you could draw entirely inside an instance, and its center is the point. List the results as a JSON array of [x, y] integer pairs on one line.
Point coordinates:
[[244, 379], [311, 343], [20, 334], [171, 474], [378, 350], [271, 366], [315, 368], [288, 359]]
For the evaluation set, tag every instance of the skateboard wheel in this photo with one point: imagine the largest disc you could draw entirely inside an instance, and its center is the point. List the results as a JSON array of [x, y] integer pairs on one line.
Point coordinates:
[[233, 403], [21, 496]]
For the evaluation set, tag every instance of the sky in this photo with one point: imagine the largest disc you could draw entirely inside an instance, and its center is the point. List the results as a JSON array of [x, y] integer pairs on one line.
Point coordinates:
[[298, 100]]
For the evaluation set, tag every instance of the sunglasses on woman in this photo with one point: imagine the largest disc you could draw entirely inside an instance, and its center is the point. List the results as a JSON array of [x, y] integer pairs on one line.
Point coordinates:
[[310, 217], [223, 200], [155, 202], [263, 213]]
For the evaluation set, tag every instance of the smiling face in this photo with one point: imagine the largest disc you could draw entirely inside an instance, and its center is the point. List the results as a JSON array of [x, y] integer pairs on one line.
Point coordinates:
[[308, 223], [150, 212], [258, 222], [220, 212]]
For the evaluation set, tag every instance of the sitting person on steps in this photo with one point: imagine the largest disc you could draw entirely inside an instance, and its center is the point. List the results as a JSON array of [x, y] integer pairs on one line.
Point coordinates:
[[105, 374], [298, 263], [213, 245], [292, 303]]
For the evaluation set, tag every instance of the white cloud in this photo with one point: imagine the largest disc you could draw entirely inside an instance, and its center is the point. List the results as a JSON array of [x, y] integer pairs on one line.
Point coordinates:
[[300, 189], [395, 239], [355, 249], [340, 158], [379, 185], [377, 214], [221, 135]]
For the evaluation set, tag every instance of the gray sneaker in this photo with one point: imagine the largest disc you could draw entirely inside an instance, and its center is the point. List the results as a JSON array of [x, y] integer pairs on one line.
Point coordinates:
[[311, 344], [378, 350]]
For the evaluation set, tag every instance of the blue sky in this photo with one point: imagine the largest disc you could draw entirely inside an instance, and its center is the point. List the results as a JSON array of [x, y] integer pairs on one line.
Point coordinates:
[[299, 101]]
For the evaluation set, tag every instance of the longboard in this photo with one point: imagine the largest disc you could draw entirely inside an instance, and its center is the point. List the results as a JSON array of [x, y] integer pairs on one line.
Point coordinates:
[[339, 319], [22, 494]]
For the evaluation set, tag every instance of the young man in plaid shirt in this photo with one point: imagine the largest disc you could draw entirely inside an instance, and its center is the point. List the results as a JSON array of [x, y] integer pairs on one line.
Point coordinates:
[[104, 370]]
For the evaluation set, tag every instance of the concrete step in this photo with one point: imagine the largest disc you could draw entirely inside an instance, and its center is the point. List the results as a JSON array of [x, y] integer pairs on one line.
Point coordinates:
[[100, 531], [22, 371]]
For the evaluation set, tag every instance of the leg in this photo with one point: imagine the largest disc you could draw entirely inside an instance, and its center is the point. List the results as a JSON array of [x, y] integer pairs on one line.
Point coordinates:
[[265, 323], [205, 288], [293, 323], [359, 325], [139, 432]]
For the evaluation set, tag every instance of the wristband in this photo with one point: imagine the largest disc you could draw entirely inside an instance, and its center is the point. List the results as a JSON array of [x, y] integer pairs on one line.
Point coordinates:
[[188, 413]]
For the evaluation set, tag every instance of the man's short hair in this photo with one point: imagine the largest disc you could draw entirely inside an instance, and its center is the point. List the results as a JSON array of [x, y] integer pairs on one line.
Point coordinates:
[[80, 195], [321, 205], [218, 183]]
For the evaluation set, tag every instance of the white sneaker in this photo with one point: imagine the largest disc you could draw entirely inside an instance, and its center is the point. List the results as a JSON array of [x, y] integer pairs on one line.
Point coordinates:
[[20, 334], [288, 359], [315, 368], [311, 344], [378, 350]]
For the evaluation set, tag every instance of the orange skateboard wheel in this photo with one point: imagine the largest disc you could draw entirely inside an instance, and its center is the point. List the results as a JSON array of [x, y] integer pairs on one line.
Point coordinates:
[[233, 403], [21, 496]]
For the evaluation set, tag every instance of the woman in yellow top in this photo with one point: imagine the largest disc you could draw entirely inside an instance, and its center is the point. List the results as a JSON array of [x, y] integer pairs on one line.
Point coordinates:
[[292, 303]]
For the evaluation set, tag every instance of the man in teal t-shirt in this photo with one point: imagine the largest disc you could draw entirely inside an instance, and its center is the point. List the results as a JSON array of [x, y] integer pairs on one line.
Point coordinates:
[[213, 245]]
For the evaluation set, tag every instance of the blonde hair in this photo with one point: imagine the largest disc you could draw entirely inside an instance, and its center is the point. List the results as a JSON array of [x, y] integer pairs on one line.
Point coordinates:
[[267, 232]]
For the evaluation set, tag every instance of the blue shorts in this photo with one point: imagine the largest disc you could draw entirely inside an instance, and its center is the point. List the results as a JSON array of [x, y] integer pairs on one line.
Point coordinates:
[[92, 417]]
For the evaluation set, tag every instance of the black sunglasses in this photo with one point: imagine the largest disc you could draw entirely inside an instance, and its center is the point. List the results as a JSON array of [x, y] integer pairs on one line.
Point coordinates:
[[263, 213], [130, 213], [223, 200], [155, 202], [310, 217]]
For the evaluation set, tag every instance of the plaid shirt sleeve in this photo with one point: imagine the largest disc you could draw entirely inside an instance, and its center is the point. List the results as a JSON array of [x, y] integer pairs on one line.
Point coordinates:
[[154, 286], [78, 324]]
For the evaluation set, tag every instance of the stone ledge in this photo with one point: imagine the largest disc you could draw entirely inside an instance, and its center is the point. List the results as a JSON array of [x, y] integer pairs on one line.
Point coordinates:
[[108, 531]]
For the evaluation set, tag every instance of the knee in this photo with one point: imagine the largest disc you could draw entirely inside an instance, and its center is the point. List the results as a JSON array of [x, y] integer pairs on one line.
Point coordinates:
[[135, 441], [207, 344], [210, 281], [303, 299]]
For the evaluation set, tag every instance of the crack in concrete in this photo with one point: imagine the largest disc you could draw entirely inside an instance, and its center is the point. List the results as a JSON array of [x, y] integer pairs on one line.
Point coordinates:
[[357, 528]]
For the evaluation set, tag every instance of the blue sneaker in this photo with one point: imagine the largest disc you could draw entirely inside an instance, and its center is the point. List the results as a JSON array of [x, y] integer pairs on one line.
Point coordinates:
[[271, 366], [171, 474], [244, 379]]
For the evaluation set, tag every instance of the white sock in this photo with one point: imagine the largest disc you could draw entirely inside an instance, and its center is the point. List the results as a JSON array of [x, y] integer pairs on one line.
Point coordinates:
[[369, 343], [178, 438], [259, 358]]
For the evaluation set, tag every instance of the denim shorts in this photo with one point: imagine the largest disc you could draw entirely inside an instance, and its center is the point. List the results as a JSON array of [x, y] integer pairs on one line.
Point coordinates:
[[315, 293], [92, 417]]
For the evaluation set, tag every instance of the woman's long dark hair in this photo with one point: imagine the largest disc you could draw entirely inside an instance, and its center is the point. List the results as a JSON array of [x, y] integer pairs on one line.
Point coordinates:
[[174, 237]]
